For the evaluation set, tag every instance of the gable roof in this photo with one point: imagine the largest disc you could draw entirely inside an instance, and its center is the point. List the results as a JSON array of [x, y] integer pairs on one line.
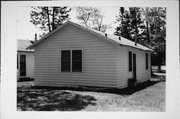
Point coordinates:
[[111, 38], [23, 44]]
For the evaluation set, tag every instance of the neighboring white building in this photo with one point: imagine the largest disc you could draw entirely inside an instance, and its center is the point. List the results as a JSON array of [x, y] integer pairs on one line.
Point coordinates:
[[74, 55], [25, 60]]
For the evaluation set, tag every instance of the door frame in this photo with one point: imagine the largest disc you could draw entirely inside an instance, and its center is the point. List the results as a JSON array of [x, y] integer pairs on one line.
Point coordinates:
[[22, 65]]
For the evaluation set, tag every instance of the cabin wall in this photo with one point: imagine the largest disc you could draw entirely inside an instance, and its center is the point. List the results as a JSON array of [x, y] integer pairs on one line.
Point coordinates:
[[123, 72], [122, 68], [29, 64], [99, 59]]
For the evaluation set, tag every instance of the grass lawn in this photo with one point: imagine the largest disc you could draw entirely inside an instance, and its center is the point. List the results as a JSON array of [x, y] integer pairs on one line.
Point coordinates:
[[146, 97]]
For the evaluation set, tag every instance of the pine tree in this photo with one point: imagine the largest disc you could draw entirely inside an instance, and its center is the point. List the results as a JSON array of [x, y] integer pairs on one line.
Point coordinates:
[[48, 18], [149, 24], [137, 24], [124, 24], [131, 24], [156, 17]]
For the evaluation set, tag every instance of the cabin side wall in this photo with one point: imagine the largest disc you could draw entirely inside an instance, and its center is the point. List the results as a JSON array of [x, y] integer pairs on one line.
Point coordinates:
[[123, 72], [29, 64], [99, 59]]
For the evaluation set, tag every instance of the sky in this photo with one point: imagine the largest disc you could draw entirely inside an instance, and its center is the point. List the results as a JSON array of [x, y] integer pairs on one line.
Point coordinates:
[[26, 30]]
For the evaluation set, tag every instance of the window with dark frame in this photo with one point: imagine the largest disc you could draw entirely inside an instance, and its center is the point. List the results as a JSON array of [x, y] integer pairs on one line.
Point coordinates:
[[65, 60], [76, 60], [130, 61], [146, 60], [71, 61]]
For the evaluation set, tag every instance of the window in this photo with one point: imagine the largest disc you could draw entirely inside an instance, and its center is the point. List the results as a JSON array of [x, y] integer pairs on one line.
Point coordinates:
[[76, 61], [130, 61], [146, 60], [71, 60], [65, 60]]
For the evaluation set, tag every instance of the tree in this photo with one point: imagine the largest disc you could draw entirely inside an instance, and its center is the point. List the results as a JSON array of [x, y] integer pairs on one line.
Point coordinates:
[[124, 27], [156, 33], [91, 17], [137, 24], [48, 18], [147, 21], [149, 25], [131, 24], [156, 18]]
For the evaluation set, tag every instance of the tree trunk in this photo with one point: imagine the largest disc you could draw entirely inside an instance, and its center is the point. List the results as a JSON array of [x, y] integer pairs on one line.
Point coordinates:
[[147, 26], [159, 68], [159, 62], [49, 25], [53, 24], [86, 20], [136, 32], [136, 37], [100, 24]]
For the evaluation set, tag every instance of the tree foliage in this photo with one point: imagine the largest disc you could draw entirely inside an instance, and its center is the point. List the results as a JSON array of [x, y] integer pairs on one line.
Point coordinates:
[[149, 24], [48, 18], [91, 17], [156, 18], [130, 24], [124, 24], [137, 25]]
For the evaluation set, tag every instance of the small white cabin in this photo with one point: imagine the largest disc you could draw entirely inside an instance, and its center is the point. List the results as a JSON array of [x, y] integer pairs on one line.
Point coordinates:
[[73, 55], [25, 60]]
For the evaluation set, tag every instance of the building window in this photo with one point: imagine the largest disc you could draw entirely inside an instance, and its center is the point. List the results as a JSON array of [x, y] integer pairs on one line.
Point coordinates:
[[71, 60], [146, 60], [77, 61], [130, 61], [65, 60]]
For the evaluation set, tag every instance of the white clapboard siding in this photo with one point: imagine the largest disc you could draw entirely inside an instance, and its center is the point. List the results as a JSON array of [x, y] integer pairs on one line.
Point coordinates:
[[123, 73], [143, 74], [122, 66], [99, 59]]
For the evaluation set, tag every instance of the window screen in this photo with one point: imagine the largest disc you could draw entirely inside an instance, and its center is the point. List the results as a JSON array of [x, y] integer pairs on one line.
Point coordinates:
[[77, 61], [65, 60]]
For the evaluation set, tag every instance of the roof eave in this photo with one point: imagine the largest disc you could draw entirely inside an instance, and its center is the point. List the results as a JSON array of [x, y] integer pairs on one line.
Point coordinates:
[[25, 50], [136, 47], [84, 28], [150, 50]]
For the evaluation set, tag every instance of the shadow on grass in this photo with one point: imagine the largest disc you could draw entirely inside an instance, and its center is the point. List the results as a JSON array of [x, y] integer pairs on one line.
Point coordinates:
[[38, 98], [51, 100]]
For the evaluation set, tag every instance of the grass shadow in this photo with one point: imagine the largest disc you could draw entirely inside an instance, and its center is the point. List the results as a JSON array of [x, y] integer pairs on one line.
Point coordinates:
[[51, 100], [38, 98]]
